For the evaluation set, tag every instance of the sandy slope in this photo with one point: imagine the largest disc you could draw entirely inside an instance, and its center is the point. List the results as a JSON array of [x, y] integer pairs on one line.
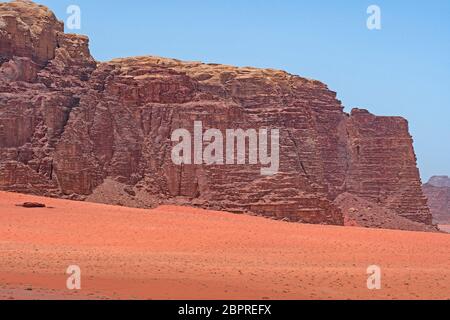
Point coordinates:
[[185, 253]]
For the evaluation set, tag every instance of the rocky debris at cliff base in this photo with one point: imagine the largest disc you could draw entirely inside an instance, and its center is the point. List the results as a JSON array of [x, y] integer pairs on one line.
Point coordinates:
[[362, 213], [116, 193], [444, 227]]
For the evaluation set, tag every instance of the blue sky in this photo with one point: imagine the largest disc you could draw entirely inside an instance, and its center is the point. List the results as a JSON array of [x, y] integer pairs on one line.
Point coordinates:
[[403, 69]]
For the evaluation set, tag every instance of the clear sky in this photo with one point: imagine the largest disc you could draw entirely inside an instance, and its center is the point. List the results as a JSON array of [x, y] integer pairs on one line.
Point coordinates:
[[402, 69]]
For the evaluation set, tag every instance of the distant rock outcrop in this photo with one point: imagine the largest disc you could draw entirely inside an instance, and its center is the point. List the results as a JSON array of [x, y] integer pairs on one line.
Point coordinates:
[[74, 128], [437, 191]]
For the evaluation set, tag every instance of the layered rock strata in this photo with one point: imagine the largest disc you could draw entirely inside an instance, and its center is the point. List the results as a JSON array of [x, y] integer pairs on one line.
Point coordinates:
[[72, 127]]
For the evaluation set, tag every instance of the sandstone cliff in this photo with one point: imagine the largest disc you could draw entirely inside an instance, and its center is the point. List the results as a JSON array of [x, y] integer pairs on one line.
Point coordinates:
[[437, 190], [359, 212], [74, 128]]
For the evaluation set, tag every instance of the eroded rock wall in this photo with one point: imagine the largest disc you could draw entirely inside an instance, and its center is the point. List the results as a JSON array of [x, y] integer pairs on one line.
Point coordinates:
[[70, 126]]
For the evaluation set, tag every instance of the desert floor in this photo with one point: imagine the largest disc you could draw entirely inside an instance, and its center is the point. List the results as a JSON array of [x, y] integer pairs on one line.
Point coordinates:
[[185, 253]]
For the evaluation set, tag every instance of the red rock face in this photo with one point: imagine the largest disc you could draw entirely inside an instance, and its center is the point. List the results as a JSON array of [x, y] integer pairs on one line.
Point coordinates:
[[382, 166], [359, 212], [76, 128], [437, 190]]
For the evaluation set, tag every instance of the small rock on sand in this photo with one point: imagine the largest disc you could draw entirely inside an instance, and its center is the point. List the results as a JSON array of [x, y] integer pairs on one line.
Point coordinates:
[[32, 205]]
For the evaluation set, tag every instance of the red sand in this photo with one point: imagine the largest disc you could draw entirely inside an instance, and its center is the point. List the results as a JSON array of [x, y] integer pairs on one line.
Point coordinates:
[[185, 253]]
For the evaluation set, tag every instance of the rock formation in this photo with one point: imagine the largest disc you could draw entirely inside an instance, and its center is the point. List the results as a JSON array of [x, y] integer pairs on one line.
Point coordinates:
[[359, 212], [74, 128], [437, 190]]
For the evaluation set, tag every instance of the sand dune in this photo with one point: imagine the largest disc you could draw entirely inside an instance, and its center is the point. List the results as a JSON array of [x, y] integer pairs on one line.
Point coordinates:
[[185, 253]]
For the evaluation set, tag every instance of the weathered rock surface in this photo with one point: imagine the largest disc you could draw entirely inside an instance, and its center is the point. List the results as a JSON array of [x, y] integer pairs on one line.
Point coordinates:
[[74, 128], [437, 190], [359, 212]]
